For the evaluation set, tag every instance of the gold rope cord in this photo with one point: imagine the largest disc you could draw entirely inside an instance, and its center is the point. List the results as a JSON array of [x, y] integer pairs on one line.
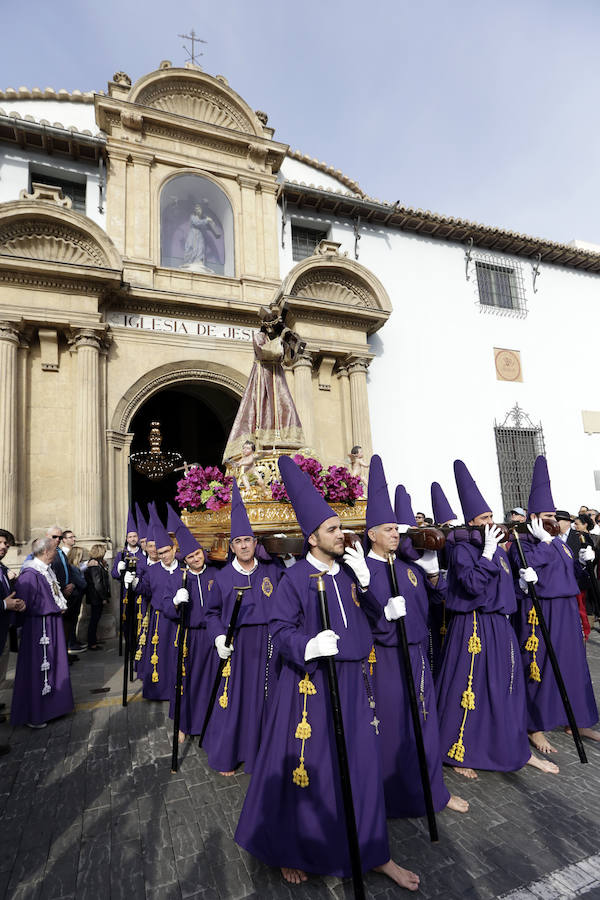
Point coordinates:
[[185, 653], [139, 615], [154, 657], [303, 731], [372, 659], [532, 645], [143, 636], [226, 674], [457, 750]]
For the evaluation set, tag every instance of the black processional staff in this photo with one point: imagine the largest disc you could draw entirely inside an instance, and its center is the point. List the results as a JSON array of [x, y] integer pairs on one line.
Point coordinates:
[[127, 625], [414, 710], [218, 676], [179, 679], [340, 746], [594, 590], [122, 594], [552, 655]]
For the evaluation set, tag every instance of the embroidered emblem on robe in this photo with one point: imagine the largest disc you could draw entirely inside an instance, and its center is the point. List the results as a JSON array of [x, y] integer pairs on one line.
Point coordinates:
[[210, 583], [567, 551], [354, 595], [412, 577], [267, 587], [504, 565]]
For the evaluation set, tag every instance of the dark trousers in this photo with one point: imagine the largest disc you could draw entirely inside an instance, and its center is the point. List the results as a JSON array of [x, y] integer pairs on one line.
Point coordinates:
[[95, 613]]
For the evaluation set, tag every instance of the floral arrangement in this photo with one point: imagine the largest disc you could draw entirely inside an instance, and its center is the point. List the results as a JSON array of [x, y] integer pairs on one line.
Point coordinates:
[[336, 484], [203, 489]]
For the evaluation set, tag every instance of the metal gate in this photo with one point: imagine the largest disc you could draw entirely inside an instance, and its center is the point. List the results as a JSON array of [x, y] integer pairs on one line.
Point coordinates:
[[518, 442]]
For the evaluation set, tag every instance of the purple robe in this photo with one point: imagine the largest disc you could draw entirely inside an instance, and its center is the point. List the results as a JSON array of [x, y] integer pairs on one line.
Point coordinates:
[[32, 702], [557, 590], [400, 763], [489, 731], [287, 820], [201, 661], [141, 564], [158, 678], [234, 733]]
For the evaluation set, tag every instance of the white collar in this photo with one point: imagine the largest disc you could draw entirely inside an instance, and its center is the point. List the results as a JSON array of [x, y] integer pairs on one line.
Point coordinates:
[[372, 555], [191, 571], [45, 570], [151, 562], [132, 549], [321, 566], [170, 569], [238, 568]]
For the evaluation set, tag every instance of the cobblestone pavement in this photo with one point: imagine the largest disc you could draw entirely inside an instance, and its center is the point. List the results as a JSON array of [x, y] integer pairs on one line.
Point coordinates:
[[90, 809]]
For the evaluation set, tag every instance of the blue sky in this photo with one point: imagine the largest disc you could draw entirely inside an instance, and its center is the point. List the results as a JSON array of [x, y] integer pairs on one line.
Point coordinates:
[[485, 110]]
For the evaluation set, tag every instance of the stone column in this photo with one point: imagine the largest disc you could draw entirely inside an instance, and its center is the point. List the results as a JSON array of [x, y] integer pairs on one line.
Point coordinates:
[[9, 342], [359, 404], [346, 414], [249, 262], [303, 395], [87, 456], [23, 512]]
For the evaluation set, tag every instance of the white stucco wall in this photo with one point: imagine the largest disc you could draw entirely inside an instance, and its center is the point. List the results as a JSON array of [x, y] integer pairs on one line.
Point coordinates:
[[433, 391]]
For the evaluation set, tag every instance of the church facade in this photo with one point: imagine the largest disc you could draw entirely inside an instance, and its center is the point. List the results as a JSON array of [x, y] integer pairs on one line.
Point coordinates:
[[142, 230]]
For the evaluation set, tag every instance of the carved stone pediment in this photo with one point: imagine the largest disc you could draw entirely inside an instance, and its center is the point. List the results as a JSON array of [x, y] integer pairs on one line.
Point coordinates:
[[54, 241], [196, 100], [47, 192], [334, 285]]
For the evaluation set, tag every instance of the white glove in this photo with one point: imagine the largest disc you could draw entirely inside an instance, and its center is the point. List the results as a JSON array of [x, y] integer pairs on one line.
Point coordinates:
[[538, 531], [129, 579], [223, 651], [355, 558], [322, 644], [402, 529], [429, 562], [586, 554], [181, 596], [395, 608], [526, 577], [121, 567], [492, 537]]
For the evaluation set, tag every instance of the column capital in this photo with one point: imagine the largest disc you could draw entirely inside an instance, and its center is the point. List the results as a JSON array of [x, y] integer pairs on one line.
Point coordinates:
[[85, 337], [303, 359], [342, 370], [9, 331], [358, 364]]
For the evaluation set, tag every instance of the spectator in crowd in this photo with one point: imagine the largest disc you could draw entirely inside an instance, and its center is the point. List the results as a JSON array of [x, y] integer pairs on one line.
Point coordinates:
[[420, 519], [515, 515], [9, 604], [60, 567], [42, 691], [98, 591], [67, 542], [428, 520]]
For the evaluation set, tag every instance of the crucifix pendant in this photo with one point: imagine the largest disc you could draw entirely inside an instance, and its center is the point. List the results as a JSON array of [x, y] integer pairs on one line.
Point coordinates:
[[422, 702], [375, 724]]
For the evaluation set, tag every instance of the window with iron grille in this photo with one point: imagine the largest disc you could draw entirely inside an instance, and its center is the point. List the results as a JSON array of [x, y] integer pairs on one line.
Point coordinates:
[[304, 241], [518, 442], [73, 189], [500, 285]]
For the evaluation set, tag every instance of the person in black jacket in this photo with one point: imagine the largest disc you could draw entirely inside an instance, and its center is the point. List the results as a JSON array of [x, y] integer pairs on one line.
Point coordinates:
[[98, 590]]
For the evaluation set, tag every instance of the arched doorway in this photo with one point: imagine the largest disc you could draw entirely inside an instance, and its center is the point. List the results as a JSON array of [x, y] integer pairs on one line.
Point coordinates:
[[195, 420]]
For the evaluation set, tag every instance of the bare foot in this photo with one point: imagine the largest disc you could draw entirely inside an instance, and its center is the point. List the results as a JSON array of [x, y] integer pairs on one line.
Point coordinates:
[[457, 804], [181, 737], [544, 765], [539, 740], [403, 877], [586, 732], [228, 775], [466, 773], [293, 876]]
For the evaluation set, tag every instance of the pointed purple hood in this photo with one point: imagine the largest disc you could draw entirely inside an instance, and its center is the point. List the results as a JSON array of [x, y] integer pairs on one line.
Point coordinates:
[[403, 507], [379, 508], [471, 498], [240, 523], [131, 523], [142, 525], [173, 520], [442, 511], [186, 540], [540, 496], [310, 507]]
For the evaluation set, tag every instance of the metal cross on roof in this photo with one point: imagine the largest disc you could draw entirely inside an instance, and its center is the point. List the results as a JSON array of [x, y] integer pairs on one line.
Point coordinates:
[[195, 40]]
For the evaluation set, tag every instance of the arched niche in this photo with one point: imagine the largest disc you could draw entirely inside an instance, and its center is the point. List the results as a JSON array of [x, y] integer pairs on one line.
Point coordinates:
[[196, 226]]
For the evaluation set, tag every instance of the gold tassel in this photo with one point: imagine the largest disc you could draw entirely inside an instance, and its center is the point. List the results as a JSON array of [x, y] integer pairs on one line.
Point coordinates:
[[372, 659], [457, 750], [532, 645], [154, 657], [143, 638], [304, 730], [224, 698], [185, 653], [139, 615]]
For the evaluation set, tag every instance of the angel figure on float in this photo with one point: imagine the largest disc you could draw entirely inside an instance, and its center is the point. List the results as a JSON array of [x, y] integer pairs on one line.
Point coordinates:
[[358, 467]]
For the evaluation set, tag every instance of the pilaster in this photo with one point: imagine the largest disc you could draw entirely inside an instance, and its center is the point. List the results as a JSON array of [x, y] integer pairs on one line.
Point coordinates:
[[359, 404], [9, 342], [303, 395], [87, 457]]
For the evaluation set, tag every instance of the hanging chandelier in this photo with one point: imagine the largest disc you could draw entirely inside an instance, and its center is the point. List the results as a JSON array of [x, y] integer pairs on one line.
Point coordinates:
[[155, 463]]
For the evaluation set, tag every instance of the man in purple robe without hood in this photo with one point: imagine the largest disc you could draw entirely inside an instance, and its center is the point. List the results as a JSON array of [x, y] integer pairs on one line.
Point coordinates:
[[480, 690], [293, 815], [42, 681], [402, 784], [235, 728], [551, 567]]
